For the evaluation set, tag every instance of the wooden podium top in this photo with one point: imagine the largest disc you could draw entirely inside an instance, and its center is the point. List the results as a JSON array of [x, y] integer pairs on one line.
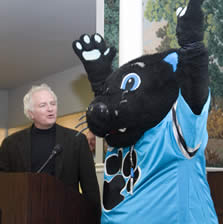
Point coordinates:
[[31, 198], [215, 181]]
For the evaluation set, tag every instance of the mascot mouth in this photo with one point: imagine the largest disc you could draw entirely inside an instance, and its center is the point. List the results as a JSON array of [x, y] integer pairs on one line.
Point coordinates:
[[116, 131], [123, 137]]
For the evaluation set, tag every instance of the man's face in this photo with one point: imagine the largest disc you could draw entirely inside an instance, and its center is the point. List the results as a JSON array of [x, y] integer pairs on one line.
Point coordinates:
[[44, 111]]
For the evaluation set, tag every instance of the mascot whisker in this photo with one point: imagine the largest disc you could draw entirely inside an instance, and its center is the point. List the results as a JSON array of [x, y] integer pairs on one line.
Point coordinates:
[[80, 124], [152, 111]]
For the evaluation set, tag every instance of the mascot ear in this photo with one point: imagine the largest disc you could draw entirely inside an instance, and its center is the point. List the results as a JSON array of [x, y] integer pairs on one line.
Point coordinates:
[[172, 59]]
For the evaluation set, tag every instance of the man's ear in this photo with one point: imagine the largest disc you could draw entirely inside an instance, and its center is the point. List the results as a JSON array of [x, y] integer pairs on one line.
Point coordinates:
[[30, 114]]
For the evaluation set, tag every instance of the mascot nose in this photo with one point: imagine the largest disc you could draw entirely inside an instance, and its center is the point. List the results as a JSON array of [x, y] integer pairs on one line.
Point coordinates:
[[98, 118], [99, 108], [98, 111]]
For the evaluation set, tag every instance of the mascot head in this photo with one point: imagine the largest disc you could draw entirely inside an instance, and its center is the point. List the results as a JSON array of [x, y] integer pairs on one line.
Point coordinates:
[[135, 98], [138, 95]]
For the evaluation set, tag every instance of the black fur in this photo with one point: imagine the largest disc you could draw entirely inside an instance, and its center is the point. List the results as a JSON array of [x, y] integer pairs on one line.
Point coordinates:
[[143, 108]]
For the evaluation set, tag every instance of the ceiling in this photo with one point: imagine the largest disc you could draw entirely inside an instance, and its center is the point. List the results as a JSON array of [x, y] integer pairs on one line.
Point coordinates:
[[36, 37]]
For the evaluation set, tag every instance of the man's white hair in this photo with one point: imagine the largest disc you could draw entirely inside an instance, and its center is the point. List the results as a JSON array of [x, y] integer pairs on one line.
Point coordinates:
[[27, 100]]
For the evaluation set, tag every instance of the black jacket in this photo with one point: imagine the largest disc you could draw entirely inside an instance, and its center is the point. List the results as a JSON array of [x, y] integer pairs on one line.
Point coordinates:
[[73, 166]]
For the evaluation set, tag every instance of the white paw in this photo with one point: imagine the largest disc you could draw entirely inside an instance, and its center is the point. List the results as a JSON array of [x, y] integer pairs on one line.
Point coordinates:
[[97, 38], [181, 11], [93, 54]]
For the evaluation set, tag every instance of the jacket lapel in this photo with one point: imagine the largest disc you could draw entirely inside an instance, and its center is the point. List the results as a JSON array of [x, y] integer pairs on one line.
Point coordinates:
[[60, 139], [26, 149]]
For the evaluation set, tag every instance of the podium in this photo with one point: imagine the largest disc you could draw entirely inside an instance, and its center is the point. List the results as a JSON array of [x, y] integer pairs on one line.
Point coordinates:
[[215, 180], [31, 198]]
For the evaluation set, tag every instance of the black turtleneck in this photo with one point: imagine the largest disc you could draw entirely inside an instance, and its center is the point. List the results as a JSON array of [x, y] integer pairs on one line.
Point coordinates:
[[42, 144]]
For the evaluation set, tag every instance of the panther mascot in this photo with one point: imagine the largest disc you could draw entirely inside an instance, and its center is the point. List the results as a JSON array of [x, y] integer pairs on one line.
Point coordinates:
[[152, 111]]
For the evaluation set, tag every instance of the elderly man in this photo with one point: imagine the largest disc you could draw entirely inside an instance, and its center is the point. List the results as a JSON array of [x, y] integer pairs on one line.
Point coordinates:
[[29, 149]]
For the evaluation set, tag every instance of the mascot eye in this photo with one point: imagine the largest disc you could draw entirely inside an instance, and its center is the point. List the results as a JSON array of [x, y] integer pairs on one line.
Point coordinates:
[[131, 82]]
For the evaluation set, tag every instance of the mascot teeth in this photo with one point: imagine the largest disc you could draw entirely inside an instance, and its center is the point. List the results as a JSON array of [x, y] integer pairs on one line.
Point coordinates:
[[122, 130]]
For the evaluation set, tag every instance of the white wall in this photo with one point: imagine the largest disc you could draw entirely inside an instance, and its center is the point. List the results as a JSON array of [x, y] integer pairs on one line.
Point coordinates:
[[71, 87], [3, 109]]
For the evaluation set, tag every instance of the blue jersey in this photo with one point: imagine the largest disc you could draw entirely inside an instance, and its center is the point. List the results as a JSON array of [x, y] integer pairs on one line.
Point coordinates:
[[162, 178]]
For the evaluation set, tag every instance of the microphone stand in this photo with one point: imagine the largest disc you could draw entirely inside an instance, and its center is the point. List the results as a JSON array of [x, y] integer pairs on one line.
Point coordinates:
[[57, 149], [44, 165]]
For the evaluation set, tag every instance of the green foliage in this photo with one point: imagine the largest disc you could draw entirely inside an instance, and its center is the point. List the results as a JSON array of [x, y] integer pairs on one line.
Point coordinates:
[[214, 153], [164, 10], [212, 156], [111, 26], [162, 33], [214, 27], [215, 123], [157, 10]]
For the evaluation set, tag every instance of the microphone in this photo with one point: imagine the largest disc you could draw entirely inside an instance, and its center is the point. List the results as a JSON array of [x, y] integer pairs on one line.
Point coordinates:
[[56, 150]]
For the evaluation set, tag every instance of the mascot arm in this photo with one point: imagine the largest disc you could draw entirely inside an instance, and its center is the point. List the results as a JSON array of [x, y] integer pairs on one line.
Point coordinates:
[[193, 56], [96, 58]]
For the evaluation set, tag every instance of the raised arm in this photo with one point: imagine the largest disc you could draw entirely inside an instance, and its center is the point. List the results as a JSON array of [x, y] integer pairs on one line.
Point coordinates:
[[193, 56]]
